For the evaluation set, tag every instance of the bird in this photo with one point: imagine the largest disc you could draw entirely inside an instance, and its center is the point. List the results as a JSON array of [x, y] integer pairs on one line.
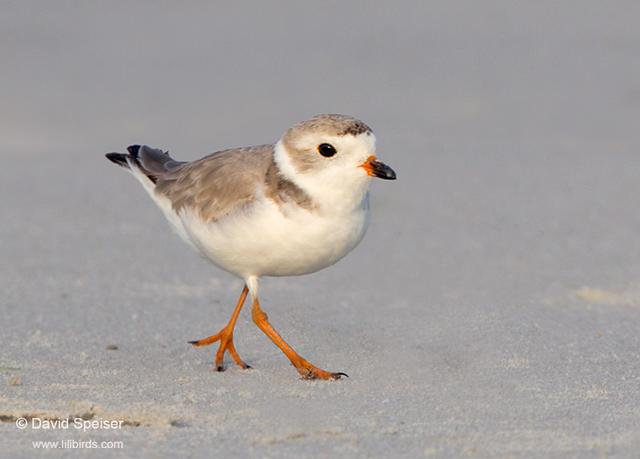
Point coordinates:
[[288, 208]]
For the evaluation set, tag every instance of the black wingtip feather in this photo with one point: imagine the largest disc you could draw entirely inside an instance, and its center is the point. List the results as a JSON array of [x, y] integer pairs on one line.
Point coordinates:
[[118, 158], [121, 160], [133, 149]]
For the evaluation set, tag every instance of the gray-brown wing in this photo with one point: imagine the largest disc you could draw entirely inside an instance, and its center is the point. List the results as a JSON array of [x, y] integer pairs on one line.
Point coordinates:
[[219, 183]]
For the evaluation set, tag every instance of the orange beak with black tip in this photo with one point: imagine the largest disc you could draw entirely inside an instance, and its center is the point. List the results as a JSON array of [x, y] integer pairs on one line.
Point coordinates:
[[378, 169]]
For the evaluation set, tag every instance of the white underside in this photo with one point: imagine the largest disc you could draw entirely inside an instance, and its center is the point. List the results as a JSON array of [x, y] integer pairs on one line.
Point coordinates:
[[263, 239]]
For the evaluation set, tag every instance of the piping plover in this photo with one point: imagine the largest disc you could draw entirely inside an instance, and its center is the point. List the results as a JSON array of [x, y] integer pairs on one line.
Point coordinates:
[[285, 209]]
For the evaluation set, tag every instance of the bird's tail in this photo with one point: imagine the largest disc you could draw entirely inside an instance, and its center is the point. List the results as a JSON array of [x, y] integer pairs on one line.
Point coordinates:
[[151, 162]]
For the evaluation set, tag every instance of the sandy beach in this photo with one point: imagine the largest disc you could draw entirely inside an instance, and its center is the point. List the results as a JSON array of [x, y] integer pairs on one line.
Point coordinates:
[[492, 310]]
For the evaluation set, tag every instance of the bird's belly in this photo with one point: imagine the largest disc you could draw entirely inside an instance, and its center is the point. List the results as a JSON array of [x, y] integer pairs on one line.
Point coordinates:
[[265, 240]]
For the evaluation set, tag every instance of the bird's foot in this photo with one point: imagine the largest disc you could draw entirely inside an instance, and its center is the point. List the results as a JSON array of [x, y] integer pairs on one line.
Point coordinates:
[[309, 371], [225, 336]]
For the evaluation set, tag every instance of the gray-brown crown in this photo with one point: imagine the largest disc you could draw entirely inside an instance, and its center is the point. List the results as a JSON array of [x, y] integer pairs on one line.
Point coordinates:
[[330, 124]]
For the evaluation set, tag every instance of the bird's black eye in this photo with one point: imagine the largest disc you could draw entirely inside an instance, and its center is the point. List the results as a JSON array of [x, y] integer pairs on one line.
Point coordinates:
[[326, 150]]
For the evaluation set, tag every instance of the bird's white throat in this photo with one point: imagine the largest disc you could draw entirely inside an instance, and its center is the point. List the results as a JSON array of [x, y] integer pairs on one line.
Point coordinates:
[[334, 189]]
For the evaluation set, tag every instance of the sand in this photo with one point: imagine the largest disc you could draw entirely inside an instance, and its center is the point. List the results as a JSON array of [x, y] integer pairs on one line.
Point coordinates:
[[492, 310]]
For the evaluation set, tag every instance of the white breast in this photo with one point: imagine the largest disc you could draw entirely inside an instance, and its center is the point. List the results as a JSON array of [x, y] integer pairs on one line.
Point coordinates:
[[265, 240]]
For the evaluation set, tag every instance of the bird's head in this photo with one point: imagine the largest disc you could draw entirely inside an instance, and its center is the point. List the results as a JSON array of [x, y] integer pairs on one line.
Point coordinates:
[[331, 157]]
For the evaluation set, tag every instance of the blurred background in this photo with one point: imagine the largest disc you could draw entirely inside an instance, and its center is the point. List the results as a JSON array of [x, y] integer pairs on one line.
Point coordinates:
[[499, 282]]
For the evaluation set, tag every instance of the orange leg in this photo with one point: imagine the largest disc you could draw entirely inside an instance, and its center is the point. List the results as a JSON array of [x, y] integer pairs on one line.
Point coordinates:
[[306, 369], [225, 336]]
